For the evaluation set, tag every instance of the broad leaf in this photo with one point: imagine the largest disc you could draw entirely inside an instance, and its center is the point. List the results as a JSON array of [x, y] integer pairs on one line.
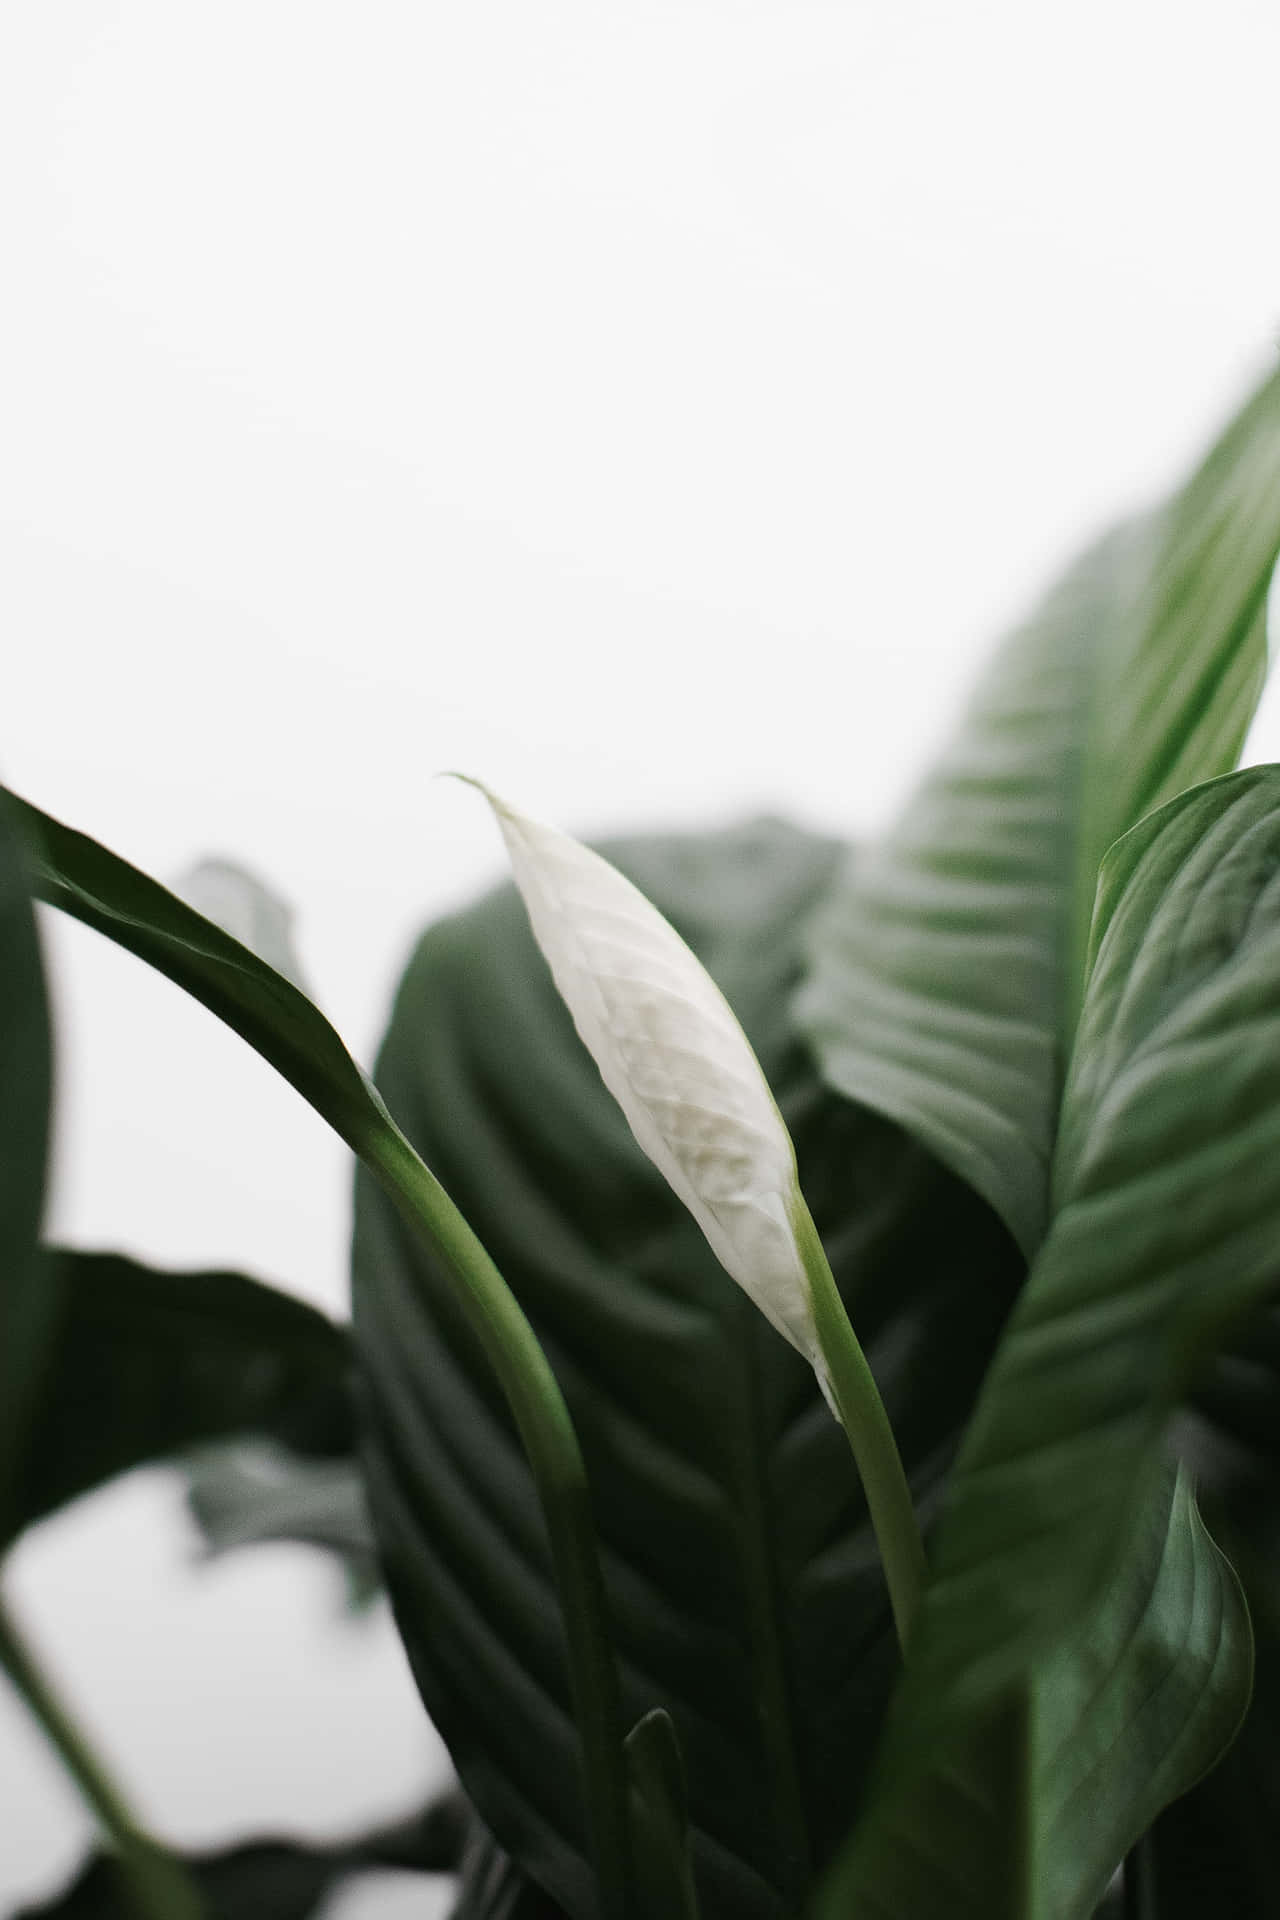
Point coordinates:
[[1166, 1228], [946, 971], [745, 1588], [143, 1364], [274, 1879], [27, 1299]]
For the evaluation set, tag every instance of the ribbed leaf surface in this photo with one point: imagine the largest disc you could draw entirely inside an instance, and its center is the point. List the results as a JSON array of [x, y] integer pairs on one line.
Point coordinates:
[[744, 1584], [946, 971], [1025, 1813], [1166, 1228]]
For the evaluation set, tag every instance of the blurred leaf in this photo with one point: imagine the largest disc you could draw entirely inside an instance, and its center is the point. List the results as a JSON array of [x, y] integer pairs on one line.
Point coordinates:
[[492, 1887], [27, 1297], [1166, 1228], [246, 908], [745, 1588], [144, 1364], [252, 1492], [275, 1879], [947, 969]]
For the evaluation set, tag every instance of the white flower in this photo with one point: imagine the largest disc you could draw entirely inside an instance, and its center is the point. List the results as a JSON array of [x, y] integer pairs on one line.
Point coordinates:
[[674, 1057]]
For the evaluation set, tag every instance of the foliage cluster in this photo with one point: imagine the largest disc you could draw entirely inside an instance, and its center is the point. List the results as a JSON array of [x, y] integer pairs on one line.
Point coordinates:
[[1027, 1047]]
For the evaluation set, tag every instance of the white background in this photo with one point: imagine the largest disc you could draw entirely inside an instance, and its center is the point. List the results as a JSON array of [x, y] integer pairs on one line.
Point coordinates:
[[653, 408]]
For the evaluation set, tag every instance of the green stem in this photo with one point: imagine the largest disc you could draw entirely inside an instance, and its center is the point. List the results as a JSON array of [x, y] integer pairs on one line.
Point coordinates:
[[863, 1417], [549, 1440], [160, 1886]]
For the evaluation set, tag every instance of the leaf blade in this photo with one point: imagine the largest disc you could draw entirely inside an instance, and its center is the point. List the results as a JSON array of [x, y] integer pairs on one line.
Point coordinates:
[[946, 973]]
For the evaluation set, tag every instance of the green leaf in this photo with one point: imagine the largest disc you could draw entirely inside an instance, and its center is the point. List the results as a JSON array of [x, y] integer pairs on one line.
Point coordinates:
[[745, 1589], [274, 1879], [1025, 1810], [26, 1298], [947, 969], [87, 880], [280, 1023], [143, 1364], [660, 1818], [1166, 1226]]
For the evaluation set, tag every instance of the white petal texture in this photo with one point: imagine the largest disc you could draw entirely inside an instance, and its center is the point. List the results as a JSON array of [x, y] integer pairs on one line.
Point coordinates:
[[674, 1057]]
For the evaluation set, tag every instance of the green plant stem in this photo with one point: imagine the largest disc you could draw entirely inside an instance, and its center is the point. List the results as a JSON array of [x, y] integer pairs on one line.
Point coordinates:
[[549, 1440], [865, 1421], [1139, 1881], [159, 1885]]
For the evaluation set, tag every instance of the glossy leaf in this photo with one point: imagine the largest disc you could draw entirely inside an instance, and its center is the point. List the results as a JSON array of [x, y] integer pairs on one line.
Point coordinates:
[[947, 969], [744, 1583], [1024, 1811], [1167, 1220], [85, 879], [248, 909], [143, 1364], [27, 1300]]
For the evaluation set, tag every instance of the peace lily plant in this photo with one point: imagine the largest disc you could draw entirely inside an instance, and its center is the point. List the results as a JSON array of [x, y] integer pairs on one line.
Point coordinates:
[[969, 1137]]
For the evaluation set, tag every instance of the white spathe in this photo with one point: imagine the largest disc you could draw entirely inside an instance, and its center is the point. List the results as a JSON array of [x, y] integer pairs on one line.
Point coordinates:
[[672, 1054]]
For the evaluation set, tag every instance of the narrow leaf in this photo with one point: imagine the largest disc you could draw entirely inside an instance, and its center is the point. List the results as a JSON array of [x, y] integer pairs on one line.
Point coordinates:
[[85, 879], [246, 908], [947, 970], [27, 1298]]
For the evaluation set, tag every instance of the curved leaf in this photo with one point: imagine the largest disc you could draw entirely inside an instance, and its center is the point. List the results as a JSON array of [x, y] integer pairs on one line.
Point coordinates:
[[1027, 1810], [744, 1583], [143, 1364], [1167, 1221], [27, 1298], [251, 1492], [946, 971], [75, 873]]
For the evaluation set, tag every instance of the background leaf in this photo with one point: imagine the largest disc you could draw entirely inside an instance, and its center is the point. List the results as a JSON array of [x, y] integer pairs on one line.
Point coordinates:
[[143, 1364], [26, 1295], [744, 1583], [275, 1879], [1167, 1185], [946, 970], [250, 1492]]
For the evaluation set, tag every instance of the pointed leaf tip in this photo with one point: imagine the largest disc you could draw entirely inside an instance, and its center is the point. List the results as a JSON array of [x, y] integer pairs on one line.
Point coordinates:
[[673, 1055]]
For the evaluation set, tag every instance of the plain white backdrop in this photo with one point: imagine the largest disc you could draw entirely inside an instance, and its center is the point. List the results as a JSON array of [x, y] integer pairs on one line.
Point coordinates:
[[655, 409]]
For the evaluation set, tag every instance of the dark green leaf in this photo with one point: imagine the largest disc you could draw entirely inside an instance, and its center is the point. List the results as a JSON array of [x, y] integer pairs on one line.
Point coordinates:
[[1166, 1229], [274, 1879], [946, 971], [87, 880], [27, 1298], [744, 1584], [144, 1364], [660, 1818], [493, 1887]]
